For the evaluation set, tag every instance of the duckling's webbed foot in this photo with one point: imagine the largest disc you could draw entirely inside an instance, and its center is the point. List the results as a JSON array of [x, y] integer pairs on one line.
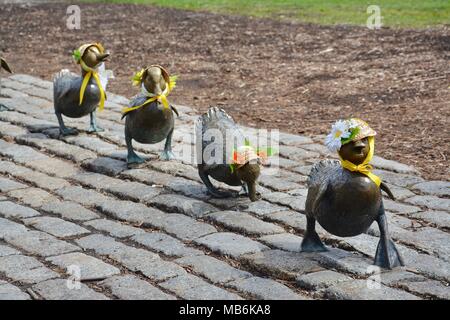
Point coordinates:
[[311, 241], [167, 154], [387, 255], [3, 108], [132, 157], [93, 127], [63, 130]]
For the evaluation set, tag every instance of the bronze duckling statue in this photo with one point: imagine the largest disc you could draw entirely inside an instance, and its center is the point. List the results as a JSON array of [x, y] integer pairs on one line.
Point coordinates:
[[4, 65], [224, 154], [149, 117], [77, 96], [344, 196]]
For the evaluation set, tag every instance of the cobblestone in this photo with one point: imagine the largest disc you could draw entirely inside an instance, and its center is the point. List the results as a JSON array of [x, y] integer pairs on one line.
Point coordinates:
[[213, 269], [148, 263], [267, 289], [231, 244], [25, 269], [283, 241], [90, 268], [436, 188], [193, 288], [34, 197], [10, 209], [115, 229], [9, 185], [165, 244], [55, 226], [34, 177], [360, 290], [10, 292], [40, 243], [132, 288], [431, 202], [321, 279], [182, 204], [244, 223], [58, 289], [9, 228], [69, 210], [282, 264]]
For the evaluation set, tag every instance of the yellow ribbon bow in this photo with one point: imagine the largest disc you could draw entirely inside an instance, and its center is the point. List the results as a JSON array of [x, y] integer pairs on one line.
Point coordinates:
[[91, 73], [364, 167], [161, 97]]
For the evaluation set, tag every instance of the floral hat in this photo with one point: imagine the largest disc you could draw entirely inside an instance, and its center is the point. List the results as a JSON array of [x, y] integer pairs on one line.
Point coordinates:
[[243, 155], [247, 153], [344, 131]]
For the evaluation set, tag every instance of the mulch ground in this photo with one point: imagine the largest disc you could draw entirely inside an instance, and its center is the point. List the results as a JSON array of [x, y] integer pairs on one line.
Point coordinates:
[[295, 77]]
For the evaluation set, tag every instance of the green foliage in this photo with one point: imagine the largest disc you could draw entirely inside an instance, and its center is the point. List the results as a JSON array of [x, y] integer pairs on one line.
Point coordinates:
[[76, 55]]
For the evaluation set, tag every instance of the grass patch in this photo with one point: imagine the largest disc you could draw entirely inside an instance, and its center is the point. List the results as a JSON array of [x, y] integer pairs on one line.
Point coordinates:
[[395, 13]]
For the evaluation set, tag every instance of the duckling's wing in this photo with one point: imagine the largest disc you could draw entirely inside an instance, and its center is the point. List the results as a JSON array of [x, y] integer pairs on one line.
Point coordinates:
[[5, 65], [62, 83], [135, 101], [318, 182]]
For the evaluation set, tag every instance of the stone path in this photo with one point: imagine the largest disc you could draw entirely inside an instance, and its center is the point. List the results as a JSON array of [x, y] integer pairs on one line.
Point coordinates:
[[69, 209]]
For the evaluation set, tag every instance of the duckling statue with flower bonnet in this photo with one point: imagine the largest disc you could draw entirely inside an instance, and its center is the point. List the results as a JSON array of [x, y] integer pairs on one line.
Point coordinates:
[[77, 96], [344, 196], [224, 154], [4, 65], [149, 117]]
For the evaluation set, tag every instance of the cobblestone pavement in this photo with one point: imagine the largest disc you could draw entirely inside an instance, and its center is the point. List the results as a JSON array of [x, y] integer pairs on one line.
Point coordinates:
[[153, 233]]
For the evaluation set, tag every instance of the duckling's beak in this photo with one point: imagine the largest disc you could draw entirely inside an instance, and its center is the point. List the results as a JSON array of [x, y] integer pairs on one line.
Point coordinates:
[[157, 90], [103, 57], [359, 146]]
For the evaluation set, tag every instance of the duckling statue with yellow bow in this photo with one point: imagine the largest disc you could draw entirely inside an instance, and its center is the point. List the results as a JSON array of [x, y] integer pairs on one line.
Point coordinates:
[[149, 116], [77, 96], [344, 196]]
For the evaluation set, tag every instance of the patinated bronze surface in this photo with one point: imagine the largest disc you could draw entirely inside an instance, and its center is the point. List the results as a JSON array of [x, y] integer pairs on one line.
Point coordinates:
[[346, 203], [66, 93], [4, 65], [246, 175], [153, 122]]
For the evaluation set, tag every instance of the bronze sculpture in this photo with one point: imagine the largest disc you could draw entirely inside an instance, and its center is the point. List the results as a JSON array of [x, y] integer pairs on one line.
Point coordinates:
[[4, 65], [239, 166], [149, 117], [344, 196], [77, 96]]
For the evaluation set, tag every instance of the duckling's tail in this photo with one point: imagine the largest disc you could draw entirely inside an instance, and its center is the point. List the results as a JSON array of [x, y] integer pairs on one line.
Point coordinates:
[[214, 114]]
